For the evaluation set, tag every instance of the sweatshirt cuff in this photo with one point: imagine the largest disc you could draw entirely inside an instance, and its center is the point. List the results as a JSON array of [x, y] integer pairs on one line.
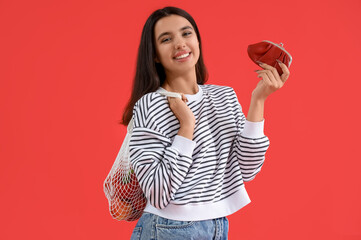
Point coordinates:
[[253, 129], [184, 145]]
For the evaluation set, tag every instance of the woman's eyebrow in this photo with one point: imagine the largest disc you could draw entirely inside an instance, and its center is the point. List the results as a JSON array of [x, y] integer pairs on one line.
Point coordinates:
[[166, 33]]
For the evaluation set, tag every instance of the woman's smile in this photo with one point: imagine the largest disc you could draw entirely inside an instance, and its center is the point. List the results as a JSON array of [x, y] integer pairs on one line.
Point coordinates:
[[183, 57]]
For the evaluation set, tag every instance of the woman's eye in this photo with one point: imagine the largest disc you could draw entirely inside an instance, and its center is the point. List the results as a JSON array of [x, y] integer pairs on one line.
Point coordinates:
[[184, 34]]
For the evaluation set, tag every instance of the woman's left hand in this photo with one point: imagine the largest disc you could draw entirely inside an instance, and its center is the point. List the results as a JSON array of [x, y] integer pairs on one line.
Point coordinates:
[[271, 80]]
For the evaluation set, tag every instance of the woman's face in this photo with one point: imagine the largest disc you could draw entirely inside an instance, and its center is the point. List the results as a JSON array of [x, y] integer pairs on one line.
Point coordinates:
[[176, 44]]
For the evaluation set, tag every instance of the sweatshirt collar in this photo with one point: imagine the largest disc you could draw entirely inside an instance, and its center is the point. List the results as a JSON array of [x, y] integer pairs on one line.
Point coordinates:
[[191, 97]]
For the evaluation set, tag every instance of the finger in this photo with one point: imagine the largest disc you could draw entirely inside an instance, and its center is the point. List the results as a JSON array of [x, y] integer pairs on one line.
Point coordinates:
[[271, 69], [268, 67], [260, 64], [285, 70], [273, 79], [170, 99], [265, 78], [265, 66], [273, 75], [184, 98], [270, 76], [276, 76], [274, 70]]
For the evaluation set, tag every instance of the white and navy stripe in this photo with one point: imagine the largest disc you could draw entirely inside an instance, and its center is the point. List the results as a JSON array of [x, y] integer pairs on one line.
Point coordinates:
[[226, 149]]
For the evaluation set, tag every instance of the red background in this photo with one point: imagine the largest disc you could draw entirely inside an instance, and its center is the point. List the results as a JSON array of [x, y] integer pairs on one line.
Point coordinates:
[[66, 69]]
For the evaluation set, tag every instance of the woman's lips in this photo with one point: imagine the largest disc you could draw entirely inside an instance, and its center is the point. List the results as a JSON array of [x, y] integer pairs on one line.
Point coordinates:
[[183, 59]]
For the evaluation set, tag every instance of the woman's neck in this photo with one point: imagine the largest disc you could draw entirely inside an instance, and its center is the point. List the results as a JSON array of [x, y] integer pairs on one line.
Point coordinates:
[[186, 84]]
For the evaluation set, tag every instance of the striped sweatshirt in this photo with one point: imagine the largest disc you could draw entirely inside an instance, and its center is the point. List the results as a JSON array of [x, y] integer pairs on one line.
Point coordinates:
[[202, 178]]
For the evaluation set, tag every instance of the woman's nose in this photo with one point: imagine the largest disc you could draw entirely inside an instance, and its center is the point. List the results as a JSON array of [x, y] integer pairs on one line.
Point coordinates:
[[180, 43]]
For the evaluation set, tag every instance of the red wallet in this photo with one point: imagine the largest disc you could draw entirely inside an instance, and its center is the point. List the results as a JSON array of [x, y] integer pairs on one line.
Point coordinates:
[[268, 52]]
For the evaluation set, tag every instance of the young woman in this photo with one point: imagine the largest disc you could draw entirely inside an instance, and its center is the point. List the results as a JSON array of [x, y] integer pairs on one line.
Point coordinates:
[[191, 155]]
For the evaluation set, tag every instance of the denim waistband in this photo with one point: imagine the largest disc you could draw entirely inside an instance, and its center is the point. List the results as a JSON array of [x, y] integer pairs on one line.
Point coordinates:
[[154, 227]]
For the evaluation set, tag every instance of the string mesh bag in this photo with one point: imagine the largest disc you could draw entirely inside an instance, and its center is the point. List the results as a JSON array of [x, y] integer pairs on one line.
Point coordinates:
[[121, 187]]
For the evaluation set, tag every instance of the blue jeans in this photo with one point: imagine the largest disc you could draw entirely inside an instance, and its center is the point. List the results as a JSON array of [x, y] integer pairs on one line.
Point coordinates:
[[154, 227]]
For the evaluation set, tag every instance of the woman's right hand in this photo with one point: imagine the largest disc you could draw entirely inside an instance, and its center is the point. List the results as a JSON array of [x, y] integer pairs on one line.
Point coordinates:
[[182, 111]]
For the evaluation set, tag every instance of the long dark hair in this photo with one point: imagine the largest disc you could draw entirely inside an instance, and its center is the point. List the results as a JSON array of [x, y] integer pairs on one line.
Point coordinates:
[[149, 75]]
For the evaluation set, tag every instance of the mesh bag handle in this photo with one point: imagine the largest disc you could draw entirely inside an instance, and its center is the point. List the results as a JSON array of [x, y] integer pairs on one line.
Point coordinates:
[[121, 187]]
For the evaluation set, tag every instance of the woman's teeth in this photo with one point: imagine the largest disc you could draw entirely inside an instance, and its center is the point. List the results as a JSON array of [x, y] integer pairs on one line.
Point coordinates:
[[183, 56]]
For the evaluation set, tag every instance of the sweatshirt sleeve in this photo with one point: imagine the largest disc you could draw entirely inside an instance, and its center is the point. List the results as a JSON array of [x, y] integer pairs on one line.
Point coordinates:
[[250, 144], [160, 163]]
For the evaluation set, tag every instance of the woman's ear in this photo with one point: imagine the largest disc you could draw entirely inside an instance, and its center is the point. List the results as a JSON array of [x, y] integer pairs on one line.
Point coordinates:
[[156, 60]]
